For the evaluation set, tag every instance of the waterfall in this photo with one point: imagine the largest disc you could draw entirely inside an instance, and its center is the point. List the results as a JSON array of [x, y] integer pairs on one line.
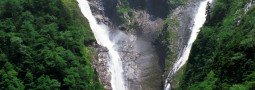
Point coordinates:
[[199, 20], [102, 35]]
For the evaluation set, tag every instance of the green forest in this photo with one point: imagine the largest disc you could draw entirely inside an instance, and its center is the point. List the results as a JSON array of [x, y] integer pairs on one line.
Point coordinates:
[[223, 56], [45, 44]]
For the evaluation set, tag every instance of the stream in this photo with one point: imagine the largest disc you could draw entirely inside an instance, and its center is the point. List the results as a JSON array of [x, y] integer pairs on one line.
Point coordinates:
[[199, 20], [133, 62], [102, 35]]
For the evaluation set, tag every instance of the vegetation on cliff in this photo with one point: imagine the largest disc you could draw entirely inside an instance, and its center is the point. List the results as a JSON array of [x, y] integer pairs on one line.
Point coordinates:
[[169, 38], [223, 56], [44, 45], [156, 8]]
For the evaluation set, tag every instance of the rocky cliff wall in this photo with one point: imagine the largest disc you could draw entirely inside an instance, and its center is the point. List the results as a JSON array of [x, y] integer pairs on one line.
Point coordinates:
[[157, 35]]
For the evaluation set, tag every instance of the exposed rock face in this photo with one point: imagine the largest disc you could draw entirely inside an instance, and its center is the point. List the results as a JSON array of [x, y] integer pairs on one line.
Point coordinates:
[[249, 5], [179, 29], [156, 8], [138, 55], [246, 8], [143, 60]]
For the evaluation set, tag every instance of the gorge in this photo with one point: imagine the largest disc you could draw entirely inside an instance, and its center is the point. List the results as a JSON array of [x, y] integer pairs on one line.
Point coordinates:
[[132, 51], [112, 41], [102, 35], [199, 20], [127, 44]]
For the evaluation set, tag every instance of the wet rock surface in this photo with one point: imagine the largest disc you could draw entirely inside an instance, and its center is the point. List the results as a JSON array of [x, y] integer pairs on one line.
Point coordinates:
[[246, 8], [142, 60], [184, 16], [139, 60], [100, 63]]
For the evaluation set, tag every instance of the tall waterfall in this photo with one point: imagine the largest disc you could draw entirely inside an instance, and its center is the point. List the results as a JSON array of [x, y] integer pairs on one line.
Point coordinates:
[[101, 33], [199, 20]]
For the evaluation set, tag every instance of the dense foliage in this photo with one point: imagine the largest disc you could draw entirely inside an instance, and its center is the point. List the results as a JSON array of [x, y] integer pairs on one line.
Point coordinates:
[[156, 8], [175, 3], [42, 46], [223, 56]]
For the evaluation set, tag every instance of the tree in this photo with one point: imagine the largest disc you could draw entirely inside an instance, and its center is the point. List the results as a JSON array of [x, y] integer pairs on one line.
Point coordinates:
[[9, 78], [12, 8], [45, 82], [35, 53]]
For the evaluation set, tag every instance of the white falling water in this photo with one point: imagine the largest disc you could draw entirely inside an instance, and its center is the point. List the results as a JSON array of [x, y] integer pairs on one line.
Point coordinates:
[[101, 33], [199, 20]]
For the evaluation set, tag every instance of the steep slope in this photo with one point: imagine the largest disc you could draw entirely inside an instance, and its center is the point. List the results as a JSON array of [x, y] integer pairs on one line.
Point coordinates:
[[223, 55], [143, 58], [161, 28], [140, 62], [45, 44]]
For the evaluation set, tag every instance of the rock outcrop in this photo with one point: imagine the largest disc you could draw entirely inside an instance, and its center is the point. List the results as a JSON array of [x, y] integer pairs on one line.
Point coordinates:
[[143, 56]]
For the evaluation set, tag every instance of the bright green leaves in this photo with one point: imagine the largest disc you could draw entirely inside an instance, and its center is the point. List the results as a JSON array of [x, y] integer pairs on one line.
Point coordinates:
[[27, 15], [50, 31], [224, 48], [16, 40], [29, 76], [238, 87], [207, 84], [9, 78], [218, 13], [45, 82], [41, 46]]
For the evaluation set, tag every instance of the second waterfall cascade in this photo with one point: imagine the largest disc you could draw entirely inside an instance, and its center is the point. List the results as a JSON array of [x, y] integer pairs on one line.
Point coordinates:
[[199, 20], [101, 33]]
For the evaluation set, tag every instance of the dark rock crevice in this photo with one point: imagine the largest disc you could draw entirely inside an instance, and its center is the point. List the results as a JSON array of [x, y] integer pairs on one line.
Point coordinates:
[[143, 54], [156, 8]]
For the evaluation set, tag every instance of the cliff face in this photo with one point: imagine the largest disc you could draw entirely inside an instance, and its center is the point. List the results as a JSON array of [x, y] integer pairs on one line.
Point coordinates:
[[156, 8], [222, 57], [159, 30], [140, 62], [175, 34]]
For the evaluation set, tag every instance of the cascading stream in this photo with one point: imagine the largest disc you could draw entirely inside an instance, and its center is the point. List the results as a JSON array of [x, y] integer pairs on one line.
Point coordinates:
[[199, 20], [101, 33]]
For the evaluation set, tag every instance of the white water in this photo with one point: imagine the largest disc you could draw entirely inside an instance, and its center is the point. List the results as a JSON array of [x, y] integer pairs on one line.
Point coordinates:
[[101, 33], [199, 20]]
